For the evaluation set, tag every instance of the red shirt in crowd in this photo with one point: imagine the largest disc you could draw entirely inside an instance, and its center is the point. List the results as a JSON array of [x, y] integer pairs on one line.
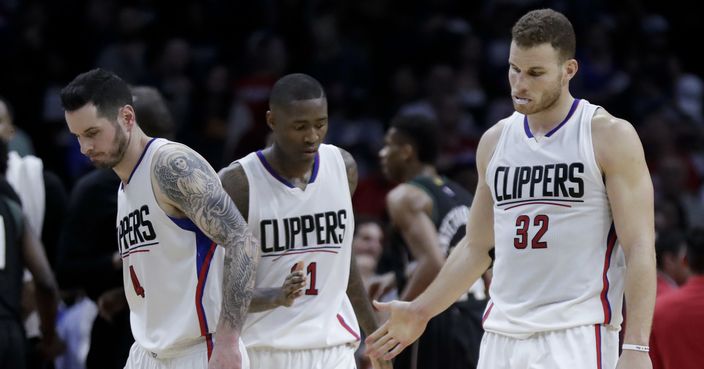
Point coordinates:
[[665, 285], [677, 339]]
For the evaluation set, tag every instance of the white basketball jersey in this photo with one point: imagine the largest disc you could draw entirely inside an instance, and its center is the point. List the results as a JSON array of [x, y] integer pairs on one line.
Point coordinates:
[[316, 226], [172, 272], [558, 263]]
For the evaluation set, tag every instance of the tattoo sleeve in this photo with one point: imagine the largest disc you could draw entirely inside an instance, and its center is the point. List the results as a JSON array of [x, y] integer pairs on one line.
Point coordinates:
[[189, 181]]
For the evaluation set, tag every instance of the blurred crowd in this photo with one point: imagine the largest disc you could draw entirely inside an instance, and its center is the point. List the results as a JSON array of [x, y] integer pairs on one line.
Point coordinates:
[[216, 61]]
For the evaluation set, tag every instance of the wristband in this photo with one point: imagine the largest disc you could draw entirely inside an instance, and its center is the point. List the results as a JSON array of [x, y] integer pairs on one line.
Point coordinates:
[[641, 348]]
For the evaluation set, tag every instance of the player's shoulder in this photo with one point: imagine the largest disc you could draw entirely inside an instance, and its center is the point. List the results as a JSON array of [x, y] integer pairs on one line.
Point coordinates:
[[489, 140], [610, 133], [407, 196], [168, 151], [347, 158], [613, 139], [234, 180], [234, 174], [605, 125]]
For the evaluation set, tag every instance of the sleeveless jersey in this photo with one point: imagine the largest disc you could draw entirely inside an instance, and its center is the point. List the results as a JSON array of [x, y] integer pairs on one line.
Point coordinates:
[[450, 208], [450, 212], [172, 272], [316, 226], [557, 261]]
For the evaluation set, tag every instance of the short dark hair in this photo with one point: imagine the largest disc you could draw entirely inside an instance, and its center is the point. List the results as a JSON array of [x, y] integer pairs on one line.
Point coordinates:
[[546, 26], [153, 115], [695, 250], [295, 87], [423, 134], [104, 89], [668, 242]]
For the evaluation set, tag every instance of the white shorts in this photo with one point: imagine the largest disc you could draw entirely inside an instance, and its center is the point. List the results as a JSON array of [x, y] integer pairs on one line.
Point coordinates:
[[336, 357], [193, 357], [584, 347]]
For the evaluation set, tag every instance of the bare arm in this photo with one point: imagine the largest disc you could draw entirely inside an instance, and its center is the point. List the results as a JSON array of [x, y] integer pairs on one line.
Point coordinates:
[[356, 291], [191, 186], [234, 181], [467, 262], [408, 208], [630, 192], [46, 289]]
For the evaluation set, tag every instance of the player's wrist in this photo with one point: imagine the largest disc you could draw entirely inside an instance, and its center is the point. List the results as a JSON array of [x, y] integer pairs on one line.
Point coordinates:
[[420, 310], [636, 348]]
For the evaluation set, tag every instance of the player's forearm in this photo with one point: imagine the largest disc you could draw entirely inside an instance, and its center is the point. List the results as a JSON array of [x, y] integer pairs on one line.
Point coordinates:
[[462, 268], [264, 299], [640, 293], [359, 298], [241, 259], [47, 298], [426, 270]]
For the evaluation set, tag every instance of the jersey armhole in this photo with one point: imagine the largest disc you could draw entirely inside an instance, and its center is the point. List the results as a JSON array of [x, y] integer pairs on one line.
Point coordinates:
[[500, 143], [590, 153], [422, 187]]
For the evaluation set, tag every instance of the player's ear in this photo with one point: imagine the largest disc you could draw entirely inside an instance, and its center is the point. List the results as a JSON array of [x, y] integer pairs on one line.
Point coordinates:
[[407, 151], [127, 116], [570, 69], [270, 119]]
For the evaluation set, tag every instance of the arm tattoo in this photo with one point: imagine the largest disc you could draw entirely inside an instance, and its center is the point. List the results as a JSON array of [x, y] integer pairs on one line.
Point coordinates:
[[351, 166], [187, 180]]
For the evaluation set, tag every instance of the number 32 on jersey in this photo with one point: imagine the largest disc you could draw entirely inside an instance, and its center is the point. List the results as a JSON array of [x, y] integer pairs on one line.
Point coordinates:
[[523, 224]]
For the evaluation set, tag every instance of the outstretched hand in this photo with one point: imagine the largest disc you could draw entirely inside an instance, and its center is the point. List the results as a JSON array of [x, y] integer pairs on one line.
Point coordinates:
[[404, 326]]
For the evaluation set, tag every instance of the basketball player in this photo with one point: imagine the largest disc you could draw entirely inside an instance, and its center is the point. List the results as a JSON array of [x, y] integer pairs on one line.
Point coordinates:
[[20, 247], [559, 181], [296, 195], [172, 211], [428, 213]]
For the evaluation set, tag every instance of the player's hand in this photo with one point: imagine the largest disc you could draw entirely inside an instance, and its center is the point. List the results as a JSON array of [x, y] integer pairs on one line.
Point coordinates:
[[381, 364], [634, 360], [293, 286], [51, 346], [111, 302], [404, 326], [226, 356], [380, 285]]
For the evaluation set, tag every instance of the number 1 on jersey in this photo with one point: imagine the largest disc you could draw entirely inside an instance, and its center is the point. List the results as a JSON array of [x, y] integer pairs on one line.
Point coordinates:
[[312, 271]]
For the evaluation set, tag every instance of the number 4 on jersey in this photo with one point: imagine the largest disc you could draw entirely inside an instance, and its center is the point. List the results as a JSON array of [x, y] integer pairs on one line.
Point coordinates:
[[138, 289], [311, 269]]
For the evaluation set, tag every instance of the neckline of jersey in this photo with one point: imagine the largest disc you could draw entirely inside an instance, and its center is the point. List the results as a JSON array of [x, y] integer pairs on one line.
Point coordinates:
[[526, 127], [277, 176]]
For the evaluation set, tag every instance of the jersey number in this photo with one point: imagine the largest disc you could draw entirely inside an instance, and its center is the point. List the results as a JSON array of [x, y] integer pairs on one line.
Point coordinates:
[[311, 269], [138, 289], [523, 223]]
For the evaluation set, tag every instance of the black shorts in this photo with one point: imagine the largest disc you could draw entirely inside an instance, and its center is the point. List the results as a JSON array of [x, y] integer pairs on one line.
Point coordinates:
[[450, 341], [12, 344]]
